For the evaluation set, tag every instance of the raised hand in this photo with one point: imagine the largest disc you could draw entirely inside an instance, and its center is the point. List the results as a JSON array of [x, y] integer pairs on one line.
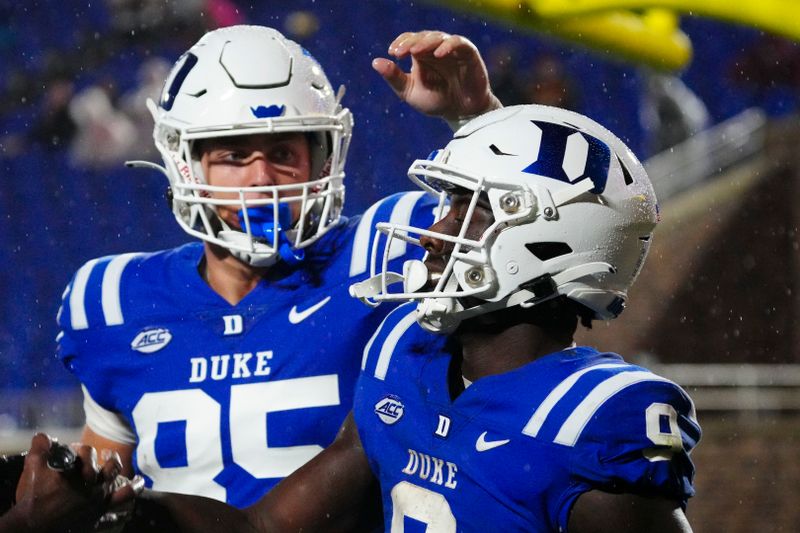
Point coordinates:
[[447, 79]]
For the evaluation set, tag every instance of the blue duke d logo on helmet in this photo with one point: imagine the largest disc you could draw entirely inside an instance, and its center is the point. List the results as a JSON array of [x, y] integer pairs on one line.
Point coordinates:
[[570, 155], [389, 409]]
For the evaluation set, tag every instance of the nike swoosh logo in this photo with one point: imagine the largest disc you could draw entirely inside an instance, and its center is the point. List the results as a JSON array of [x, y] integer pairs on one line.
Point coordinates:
[[295, 316], [482, 444]]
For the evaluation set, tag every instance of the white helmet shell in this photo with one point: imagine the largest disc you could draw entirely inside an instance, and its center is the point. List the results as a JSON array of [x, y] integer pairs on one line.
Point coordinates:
[[573, 214], [244, 80]]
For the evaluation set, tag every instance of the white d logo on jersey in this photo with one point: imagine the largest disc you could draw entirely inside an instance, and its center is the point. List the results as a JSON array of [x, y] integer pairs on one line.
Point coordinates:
[[233, 324]]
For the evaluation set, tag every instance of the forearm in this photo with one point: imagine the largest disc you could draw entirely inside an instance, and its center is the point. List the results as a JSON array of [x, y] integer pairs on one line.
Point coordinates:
[[335, 491], [161, 511], [311, 500]]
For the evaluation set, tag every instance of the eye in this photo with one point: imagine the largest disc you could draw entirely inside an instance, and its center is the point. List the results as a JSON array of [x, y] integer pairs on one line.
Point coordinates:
[[227, 155], [282, 154], [234, 155]]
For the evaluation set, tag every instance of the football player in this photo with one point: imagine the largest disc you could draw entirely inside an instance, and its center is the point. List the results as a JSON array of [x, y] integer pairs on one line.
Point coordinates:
[[499, 422], [506, 424], [219, 367]]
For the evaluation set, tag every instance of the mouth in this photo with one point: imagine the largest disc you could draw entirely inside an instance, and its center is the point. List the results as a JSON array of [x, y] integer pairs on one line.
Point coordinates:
[[435, 271]]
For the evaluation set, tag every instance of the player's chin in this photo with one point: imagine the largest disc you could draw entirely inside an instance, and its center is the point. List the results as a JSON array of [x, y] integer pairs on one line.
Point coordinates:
[[231, 218]]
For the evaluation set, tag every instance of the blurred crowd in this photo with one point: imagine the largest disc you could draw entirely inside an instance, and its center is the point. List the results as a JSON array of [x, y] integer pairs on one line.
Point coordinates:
[[73, 83], [99, 124]]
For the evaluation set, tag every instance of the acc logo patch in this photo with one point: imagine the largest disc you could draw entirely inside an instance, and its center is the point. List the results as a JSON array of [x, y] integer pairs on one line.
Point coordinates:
[[151, 340], [389, 409]]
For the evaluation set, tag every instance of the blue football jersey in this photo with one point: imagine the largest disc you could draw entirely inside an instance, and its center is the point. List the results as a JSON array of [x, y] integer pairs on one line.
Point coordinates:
[[225, 400], [514, 451]]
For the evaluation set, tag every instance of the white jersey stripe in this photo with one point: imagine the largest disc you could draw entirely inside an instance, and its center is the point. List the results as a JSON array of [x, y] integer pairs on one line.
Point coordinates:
[[573, 426], [540, 415], [360, 255], [401, 216], [389, 344], [77, 306], [112, 308]]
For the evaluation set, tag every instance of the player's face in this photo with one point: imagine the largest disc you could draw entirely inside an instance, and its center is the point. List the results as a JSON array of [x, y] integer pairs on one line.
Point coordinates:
[[255, 161], [439, 250]]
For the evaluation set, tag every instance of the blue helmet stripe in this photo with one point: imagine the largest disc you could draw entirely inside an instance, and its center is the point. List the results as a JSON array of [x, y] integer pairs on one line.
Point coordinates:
[[168, 98]]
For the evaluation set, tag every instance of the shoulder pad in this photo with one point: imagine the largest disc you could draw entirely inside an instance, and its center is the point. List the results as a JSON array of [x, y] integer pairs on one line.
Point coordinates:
[[380, 348], [628, 430], [585, 396], [406, 208], [93, 296]]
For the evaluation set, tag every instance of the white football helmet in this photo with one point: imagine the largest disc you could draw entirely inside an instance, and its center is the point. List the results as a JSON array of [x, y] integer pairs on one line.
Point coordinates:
[[245, 80], [573, 212]]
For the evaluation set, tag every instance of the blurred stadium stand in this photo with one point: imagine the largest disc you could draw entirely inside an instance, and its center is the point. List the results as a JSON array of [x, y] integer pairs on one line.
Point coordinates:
[[716, 307], [716, 310]]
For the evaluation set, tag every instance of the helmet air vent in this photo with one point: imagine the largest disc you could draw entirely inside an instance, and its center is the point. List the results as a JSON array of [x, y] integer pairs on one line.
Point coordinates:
[[497, 151], [625, 173], [548, 250]]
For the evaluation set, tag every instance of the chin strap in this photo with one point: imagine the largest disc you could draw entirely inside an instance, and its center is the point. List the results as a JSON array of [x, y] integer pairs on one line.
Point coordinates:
[[369, 288], [414, 277], [443, 315]]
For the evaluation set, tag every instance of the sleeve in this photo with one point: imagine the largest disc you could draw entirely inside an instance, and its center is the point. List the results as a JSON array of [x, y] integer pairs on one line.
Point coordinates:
[[106, 423], [91, 303], [634, 433], [73, 315]]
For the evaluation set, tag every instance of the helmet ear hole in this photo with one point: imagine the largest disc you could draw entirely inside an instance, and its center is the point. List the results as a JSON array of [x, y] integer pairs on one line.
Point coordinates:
[[319, 145]]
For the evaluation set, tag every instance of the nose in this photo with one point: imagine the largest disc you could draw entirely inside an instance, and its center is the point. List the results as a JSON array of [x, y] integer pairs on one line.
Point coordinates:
[[432, 245], [260, 172]]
